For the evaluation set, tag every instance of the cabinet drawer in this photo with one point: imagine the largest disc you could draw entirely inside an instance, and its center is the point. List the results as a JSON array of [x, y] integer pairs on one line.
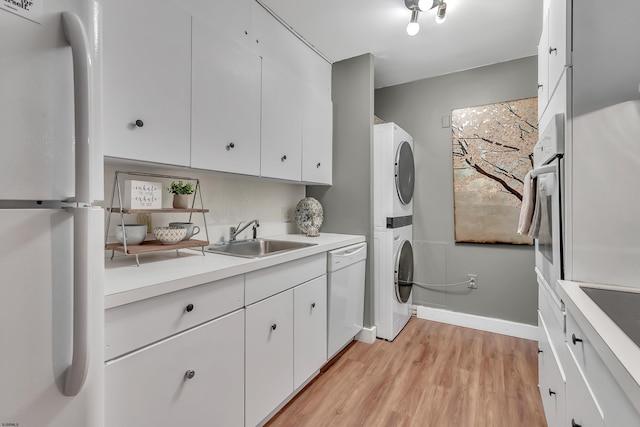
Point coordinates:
[[153, 386], [270, 281], [135, 325], [553, 314], [582, 407]]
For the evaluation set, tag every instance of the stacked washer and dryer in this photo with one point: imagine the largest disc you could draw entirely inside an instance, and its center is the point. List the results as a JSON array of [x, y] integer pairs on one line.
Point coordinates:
[[394, 176]]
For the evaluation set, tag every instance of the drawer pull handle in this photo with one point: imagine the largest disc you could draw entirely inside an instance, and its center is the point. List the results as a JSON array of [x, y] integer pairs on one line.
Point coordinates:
[[575, 339], [273, 327], [574, 423], [189, 374], [139, 123], [551, 392], [189, 308], [313, 305]]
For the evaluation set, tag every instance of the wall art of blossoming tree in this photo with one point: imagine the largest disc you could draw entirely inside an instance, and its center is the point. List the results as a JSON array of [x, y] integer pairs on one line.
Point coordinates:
[[492, 152]]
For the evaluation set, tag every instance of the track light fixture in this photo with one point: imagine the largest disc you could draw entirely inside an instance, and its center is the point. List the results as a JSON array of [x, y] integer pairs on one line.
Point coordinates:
[[417, 6]]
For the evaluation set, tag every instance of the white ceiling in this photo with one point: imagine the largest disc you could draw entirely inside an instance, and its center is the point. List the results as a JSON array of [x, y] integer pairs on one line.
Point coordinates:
[[475, 33]]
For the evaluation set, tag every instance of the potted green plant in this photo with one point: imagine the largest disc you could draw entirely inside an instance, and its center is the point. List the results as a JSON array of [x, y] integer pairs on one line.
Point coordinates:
[[181, 191]]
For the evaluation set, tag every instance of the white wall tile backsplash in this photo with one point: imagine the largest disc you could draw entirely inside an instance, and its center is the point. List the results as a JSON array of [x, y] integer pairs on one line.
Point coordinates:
[[230, 199]]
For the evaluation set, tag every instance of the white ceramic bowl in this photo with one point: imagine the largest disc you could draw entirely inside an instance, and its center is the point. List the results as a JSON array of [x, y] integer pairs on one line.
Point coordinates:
[[135, 233], [169, 235]]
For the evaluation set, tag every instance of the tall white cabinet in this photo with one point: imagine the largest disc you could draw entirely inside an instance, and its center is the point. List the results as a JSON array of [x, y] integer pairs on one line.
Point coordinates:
[[583, 65], [147, 81]]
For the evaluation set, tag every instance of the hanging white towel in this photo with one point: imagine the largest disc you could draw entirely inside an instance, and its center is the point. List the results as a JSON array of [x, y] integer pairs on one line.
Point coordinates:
[[528, 204], [534, 228]]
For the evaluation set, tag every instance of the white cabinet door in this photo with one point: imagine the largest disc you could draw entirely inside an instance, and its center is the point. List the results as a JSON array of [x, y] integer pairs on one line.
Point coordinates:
[[191, 379], [317, 138], [147, 81], [558, 50], [582, 407], [309, 329], [551, 379], [269, 355], [281, 155], [226, 103], [543, 67]]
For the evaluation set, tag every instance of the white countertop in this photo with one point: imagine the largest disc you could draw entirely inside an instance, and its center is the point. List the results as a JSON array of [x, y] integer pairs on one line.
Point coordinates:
[[615, 348], [163, 272]]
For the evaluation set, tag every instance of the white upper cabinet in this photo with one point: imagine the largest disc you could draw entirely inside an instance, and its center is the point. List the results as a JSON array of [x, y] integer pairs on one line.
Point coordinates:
[[225, 132], [543, 67], [558, 51], [147, 81], [554, 53], [317, 138], [231, 18], [281, 123]]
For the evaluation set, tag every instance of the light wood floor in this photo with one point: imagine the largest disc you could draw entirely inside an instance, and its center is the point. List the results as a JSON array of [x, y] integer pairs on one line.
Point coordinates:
[[431, 375]]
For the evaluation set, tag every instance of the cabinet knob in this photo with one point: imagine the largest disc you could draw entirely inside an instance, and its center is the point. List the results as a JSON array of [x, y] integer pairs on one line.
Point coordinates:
[[551, 392], [574, 423], [313, 305], [189, 374], [318, 165], [273, 327], [552, 49], [283, 158], [230, 146], [540, 351], [575, 339], [540, 86], [189, 308], [139, 123]]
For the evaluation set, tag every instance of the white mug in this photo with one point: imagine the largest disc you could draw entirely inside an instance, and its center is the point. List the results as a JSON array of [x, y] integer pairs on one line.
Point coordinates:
[[192, 229]]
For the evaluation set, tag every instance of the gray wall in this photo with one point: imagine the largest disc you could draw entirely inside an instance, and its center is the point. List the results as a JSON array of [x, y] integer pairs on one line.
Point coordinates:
[[507, 287], [347, 202]]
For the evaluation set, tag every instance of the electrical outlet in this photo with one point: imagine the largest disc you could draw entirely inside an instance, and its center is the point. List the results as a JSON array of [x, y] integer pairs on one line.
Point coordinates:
[[145, 218], [473, 281], [286, 214]]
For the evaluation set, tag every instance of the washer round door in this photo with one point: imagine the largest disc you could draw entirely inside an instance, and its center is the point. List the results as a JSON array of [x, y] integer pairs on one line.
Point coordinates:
[[404, 172], [403, 276]]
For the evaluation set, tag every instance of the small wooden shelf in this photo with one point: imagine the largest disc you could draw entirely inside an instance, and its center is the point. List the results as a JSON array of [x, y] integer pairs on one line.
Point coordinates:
[[154, 245], [163, 210]]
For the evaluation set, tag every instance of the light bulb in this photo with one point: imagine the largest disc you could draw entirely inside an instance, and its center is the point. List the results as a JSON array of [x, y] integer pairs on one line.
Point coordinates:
[[425, 5], [413, 28], [441, 14]]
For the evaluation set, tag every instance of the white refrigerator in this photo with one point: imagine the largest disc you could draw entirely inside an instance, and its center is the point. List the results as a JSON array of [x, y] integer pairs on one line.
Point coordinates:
[[51, 261]]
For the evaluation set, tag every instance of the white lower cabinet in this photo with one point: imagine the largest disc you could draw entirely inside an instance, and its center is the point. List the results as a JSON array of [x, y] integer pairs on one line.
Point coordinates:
[[190, 379], [551, 379], [269, 355], [582, 408], [309, 329], [286, 343]]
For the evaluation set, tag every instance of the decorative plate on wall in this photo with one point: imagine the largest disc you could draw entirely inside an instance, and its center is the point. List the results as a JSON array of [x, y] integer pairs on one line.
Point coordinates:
[[309, 216]]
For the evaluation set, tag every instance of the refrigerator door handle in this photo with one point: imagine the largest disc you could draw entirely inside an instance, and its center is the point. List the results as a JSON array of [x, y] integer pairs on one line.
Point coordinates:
[[76, 374], [76, 36]]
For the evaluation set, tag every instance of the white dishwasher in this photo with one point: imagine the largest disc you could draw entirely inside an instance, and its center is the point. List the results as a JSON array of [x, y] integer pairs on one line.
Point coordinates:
[[346, 274]]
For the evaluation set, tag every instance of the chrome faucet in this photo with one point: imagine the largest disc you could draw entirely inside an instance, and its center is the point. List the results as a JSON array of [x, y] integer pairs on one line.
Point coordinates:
[[234, 231]]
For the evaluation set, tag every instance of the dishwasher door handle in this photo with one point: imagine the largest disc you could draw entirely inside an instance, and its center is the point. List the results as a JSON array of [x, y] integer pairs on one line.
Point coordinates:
[[352, 251]]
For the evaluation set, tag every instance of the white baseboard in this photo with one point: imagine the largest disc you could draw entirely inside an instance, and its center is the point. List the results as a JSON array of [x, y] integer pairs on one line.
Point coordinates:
[[367, 335], [488, 324]]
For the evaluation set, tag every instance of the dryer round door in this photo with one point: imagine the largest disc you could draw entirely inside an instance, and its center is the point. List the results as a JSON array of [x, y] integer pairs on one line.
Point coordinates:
[[403, 276], [404, 172]]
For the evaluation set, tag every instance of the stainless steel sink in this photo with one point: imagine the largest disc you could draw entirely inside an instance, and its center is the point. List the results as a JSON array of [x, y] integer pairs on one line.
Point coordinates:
[[256, 248]]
